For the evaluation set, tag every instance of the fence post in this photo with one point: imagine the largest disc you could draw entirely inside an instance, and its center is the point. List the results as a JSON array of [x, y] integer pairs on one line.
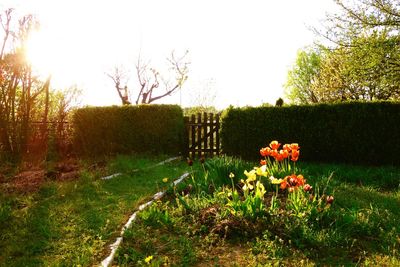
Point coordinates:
[[199, 128], [217, 135], [212, 134], [193, 135], [185, 148], [205, 132]]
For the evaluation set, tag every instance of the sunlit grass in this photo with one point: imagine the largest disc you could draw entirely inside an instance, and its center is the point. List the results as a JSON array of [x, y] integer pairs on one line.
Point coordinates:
[[70, 223], [360, 229]]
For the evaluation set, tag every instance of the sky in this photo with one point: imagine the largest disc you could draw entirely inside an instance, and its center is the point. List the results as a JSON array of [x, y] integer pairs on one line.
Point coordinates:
[[239, 50]]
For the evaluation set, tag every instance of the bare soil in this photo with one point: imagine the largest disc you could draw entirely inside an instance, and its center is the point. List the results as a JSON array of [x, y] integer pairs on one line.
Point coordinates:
[[31, 178]]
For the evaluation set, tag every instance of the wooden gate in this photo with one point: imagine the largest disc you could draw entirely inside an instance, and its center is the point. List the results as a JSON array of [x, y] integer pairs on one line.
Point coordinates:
[[202, 135]]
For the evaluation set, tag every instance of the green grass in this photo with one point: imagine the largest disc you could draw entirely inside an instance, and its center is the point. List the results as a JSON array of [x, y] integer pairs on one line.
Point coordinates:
[[71, 223], [361, 227]]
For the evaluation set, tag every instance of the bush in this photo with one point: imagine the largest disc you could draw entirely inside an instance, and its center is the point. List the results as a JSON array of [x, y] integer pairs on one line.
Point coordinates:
[[358, 133], [116, 129]]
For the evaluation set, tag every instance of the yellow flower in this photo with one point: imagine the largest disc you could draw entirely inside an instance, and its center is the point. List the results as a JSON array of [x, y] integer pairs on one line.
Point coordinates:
[[165, 180], [251, 176], [148, 259], [260, 189], [261, 171], [231, 175], [247, 187], [275, 180]]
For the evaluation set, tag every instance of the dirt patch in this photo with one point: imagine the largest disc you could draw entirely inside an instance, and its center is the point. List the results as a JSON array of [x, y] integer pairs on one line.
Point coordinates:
[[30, 180], [26, 181]]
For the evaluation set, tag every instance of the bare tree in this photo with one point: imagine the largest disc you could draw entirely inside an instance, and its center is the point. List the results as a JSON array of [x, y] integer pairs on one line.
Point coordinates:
[[118, 77], [152, 84], [5, 23]]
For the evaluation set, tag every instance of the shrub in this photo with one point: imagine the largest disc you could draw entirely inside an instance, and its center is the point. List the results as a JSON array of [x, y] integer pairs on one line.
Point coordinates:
[[357, 133], [116, 129]]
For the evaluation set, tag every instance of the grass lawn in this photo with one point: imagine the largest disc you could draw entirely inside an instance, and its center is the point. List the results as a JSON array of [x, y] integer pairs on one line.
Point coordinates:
[[199, 225], [70, 223]]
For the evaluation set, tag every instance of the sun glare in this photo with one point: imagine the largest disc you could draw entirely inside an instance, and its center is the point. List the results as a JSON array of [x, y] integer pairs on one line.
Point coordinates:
[[50, 53], [40, 55]]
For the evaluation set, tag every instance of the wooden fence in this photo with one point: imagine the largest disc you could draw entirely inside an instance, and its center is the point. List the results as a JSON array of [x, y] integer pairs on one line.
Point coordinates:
[[202, 135]]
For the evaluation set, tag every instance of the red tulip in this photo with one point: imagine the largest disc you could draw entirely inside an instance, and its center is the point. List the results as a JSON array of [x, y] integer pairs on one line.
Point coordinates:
[[190, 162], [307, 187]]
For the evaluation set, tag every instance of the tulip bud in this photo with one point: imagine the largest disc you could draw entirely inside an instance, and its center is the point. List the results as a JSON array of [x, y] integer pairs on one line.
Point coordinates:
[[307, 187], [329, 199], [190, 162]]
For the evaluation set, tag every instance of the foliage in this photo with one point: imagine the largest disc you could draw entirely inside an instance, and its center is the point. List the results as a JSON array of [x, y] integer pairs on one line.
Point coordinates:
[[363, 70], [26, 99], [246, 224], [330, 132], [143, 128], [302, 76], [360, 60], [357, 18]]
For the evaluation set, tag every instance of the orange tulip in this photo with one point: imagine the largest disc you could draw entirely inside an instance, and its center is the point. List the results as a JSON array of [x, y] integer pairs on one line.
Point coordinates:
[[274, 153], [280, 157], [294, 146], [265, 152], [286, 147], [263, 162], [284, 184], [284, 153], [300, 180], [295, 155], [274, 145]]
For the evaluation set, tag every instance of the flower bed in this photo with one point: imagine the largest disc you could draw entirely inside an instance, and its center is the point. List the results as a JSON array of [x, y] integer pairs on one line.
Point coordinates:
[[269, 214]]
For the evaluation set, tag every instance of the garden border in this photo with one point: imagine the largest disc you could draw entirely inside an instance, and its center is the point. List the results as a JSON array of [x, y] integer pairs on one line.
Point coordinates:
[[136, 170], [108, 260]]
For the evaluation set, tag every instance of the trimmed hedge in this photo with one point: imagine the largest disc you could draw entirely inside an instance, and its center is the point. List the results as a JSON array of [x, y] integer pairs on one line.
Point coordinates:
[[356, 133], [126, 129]]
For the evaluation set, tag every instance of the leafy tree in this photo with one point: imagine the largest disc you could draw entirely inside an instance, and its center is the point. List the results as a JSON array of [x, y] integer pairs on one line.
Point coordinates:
[[362, 17], [300, 80], [367, 70], [362, 61]]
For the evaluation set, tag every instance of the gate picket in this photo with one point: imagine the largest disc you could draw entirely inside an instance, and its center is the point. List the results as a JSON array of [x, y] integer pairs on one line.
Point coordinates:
[[202, 135]]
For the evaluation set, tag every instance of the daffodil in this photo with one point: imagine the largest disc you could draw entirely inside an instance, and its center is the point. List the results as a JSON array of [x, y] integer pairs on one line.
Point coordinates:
[[251, 175], [262, 171], [247, 187], [148, 259], [275, 180], [231, 175], [260, 189]]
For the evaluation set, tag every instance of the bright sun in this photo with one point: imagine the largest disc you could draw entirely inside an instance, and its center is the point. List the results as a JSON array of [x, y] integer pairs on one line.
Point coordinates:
[[40, 54], [51, 53]]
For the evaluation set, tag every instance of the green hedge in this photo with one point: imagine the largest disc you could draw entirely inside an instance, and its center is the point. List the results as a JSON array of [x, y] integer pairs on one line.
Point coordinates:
[[357, 133], [126, 129]]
